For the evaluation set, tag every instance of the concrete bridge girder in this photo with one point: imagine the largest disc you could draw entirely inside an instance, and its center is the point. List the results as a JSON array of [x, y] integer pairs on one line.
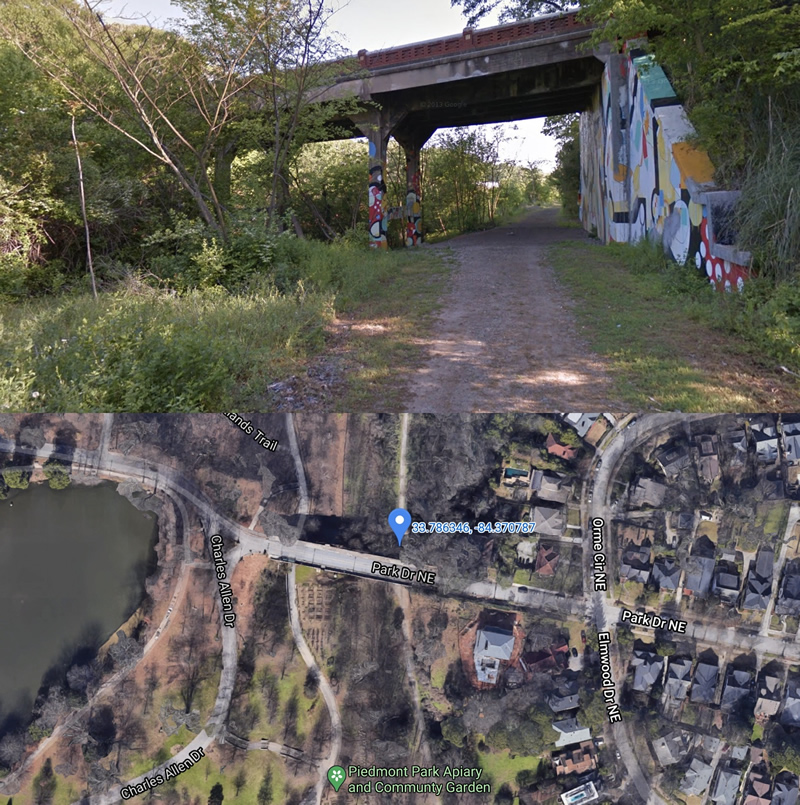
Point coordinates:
[[515, 82]]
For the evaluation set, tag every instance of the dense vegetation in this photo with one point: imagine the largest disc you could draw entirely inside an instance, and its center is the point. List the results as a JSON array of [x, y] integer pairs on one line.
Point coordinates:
[[165, 196]]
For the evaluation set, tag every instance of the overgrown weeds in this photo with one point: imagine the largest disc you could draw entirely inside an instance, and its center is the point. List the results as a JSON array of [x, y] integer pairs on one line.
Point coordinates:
[[146, 346]]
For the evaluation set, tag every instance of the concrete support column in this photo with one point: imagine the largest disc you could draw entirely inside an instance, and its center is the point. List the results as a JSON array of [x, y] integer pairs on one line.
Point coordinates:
[[412, 141], [377, 188], [413, 199]]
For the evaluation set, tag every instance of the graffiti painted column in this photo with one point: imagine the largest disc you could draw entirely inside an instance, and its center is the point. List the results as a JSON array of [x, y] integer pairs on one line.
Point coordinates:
[[412, 142], [413, 199], [377, 189]]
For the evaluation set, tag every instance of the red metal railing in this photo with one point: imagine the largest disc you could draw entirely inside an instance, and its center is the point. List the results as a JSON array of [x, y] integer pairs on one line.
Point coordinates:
[[472, 40]]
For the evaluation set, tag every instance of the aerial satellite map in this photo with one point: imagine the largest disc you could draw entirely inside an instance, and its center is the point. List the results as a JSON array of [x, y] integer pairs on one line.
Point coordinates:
[[364, 608]]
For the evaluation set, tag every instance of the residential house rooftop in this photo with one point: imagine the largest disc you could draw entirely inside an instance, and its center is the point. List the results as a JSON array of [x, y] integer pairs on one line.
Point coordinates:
[[546, 560], [726, 581], [790, 716], [697, 778], [726, 786], [699, 574], [706, 450], [785, 791], [672, 460], [578, 760], [648, 667], [647, 492], [788, 602], [738, 685], [548, 521], [679, 675], [492, 646], [581, 422], [570, 732], [666, 573], [555, 448], [553, 486], [635, 564], [671, 748], [704, 684], [769, 696]]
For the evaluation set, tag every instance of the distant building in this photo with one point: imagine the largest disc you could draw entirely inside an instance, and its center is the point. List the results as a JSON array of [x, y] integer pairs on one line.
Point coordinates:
[[577, 760], [648, 667], [704, 684], [790, 715], [581, 795], [635, 564], [672, 748], [726, 786], [666, 573], [697, 778], [738, 685], [555, 448], [570, 732], [679, 675], [548, 521], [769, 697], [493, 646], [788, 602]]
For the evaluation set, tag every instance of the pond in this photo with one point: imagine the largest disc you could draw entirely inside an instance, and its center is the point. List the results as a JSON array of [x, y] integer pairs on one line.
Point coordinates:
[[73, 564]]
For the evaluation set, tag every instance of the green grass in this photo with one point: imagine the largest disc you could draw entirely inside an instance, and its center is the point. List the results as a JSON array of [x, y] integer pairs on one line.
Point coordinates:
[[502, 768], [439, 673], [144, 349], [758, 732], [771, 517], [303, 573], [656, 325]]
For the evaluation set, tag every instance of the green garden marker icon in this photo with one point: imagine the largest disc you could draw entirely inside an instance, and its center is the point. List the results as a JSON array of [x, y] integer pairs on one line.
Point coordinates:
[[336, 777]]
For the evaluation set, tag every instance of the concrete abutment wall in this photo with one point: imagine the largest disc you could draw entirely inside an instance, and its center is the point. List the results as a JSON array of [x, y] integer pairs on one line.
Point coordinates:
[[642, 177]]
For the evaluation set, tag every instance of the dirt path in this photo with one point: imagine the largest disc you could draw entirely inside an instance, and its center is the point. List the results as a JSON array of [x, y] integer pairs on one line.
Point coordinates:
[[506, 338]]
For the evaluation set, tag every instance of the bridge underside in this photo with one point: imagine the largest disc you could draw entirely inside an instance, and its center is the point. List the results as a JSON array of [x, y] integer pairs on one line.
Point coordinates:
[[542, 76]]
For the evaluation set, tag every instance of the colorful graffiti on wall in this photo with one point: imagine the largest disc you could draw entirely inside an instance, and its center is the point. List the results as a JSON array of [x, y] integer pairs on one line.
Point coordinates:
[[413, 211], [639, 176], [377, 191]]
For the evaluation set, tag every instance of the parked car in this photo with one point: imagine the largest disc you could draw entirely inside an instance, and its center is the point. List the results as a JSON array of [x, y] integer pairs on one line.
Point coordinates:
[[583, 637], [574, 652]]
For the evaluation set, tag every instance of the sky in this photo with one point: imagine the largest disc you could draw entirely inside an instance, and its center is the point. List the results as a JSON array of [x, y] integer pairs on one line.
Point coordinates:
[[376, 24]]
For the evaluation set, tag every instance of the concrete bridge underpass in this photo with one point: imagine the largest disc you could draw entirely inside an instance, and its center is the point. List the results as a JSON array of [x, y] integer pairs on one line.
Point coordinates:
[[522, 70]]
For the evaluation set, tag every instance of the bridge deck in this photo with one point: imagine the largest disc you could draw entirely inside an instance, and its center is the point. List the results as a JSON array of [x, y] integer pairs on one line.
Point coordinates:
[[471, 40]]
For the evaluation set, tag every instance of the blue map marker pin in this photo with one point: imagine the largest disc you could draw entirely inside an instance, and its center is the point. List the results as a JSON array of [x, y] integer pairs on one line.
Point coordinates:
[[399, 521]]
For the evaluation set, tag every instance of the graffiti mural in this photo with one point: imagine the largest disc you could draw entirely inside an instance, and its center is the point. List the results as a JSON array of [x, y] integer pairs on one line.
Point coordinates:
[[639, 175], [377, 191], [413, 209]]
